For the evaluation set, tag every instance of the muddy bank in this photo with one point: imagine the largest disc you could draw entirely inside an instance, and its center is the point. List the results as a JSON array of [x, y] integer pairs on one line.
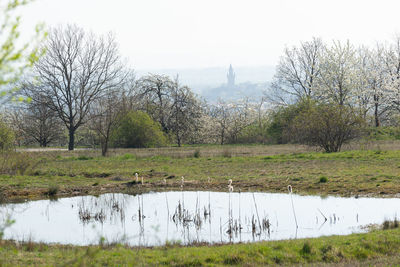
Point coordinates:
[[10, 194]]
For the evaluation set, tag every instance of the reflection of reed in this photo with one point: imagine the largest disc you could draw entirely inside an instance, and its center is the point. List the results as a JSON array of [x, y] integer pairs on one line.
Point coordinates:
[[108, 207], [140, 211], [258, 217], [193, 220]]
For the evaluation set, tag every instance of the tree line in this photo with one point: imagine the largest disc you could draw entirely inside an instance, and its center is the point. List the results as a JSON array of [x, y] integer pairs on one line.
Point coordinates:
[[81, 91]]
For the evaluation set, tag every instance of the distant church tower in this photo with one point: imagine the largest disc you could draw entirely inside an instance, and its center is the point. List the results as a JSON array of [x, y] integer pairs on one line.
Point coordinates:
[[231, 77]]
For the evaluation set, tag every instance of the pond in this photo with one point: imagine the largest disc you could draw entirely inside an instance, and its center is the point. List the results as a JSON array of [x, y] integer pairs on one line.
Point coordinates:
[[188, 217]]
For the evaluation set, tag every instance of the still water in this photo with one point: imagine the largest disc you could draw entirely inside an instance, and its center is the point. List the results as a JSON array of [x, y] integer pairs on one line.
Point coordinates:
[[187, 217]]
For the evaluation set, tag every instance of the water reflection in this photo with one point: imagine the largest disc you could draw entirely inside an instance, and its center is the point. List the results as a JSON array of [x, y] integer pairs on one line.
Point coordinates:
[[190, 217]]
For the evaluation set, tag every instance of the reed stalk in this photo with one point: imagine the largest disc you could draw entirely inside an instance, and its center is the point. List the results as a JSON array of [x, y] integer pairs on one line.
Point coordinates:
[[291, 198], [258, 217]]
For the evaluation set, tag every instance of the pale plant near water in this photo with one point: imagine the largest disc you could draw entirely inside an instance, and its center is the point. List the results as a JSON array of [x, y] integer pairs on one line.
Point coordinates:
[[230, 187]]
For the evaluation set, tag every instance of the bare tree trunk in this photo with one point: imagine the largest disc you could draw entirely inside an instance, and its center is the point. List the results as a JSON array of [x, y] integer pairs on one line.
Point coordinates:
[[178, 139], [104, 147], [376, 114], [71, 139]]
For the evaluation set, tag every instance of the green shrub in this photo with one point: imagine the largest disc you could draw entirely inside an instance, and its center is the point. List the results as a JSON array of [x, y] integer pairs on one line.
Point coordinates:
[[6, 137], [306, 249], [52, 190], [281, 119], [327, 126], [256, 132], [323, 179], [196, 153], [138, 130], [83, 157], [384, 133]]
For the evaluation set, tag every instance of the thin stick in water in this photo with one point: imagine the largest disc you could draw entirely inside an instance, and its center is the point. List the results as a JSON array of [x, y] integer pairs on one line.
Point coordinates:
[[291, 198], [258, 217]]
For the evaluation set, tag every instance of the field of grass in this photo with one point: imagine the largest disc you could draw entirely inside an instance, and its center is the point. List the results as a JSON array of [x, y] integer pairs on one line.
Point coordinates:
[[379, 247], [359, 170], [252, 168]]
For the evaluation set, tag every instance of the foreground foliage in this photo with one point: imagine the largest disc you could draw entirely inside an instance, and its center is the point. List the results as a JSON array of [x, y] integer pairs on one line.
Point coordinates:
[[377, 247]]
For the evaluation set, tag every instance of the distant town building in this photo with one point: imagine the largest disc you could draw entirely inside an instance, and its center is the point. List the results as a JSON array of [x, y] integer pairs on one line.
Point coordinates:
[[231, 77], [231, 91]]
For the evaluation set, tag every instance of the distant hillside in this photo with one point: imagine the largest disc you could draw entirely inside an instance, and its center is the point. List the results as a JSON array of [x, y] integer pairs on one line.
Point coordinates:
[[209, 82]]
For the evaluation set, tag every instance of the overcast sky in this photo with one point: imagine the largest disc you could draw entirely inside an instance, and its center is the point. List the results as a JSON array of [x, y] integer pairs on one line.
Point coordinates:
[[155, 34]]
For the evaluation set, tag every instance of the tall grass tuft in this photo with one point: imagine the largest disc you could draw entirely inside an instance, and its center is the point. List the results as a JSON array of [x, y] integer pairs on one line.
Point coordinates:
[[387, 224], [306, 249], [84, 157], [196, 153], [52, 190], [18, 163], [227, 153]]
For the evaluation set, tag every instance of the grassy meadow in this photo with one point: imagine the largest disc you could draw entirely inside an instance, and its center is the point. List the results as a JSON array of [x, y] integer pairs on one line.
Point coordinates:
[[374, 171], [359, 170]]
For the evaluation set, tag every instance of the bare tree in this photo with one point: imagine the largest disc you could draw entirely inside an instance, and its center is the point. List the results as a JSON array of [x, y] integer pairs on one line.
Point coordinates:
[[374, 76], [35, 122], [77, 69], [104, 117], [41, 123], [186, 111], [221, 113], [232, 118], [241, 117], [155, 92], [296, 73], [392, 74], [339, 72]]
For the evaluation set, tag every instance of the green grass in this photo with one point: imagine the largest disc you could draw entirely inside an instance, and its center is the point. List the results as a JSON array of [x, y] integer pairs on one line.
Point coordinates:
[[379, 246], [359, 172], [252, 168]]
